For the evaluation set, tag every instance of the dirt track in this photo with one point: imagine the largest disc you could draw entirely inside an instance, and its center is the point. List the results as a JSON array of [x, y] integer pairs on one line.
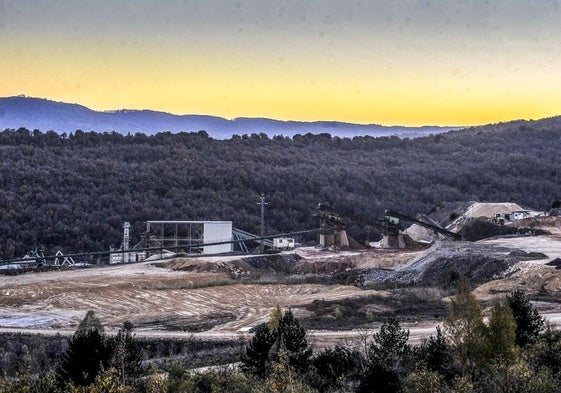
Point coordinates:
[[317, 338]]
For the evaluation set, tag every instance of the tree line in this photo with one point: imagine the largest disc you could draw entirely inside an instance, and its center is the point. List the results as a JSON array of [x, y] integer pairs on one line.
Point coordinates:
[[512, 351], [73, 191]]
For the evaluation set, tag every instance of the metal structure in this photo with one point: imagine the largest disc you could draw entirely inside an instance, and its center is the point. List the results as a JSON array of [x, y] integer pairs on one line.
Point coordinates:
[[262, 203], [124, 254], [37, 256], [126, 241], [332, 227], [62, 260], [27, 260], [242, 236], [190, 234], [333, 223], [396, 217]]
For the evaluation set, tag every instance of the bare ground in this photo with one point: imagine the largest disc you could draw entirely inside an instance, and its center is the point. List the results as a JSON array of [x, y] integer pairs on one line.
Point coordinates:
[[151, 297], [206, 295]]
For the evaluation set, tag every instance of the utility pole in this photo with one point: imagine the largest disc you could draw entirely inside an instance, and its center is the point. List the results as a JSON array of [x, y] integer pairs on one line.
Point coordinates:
[[262, 228]]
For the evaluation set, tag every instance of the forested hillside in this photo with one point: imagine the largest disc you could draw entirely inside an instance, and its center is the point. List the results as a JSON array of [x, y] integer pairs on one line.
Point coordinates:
[[74, 191]]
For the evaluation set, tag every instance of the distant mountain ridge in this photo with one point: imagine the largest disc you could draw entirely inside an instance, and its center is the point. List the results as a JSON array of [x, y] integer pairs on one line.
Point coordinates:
[[42, 114]]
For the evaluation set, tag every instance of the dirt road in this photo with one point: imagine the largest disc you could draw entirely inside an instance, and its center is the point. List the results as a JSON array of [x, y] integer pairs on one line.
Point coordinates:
[[317, 338]]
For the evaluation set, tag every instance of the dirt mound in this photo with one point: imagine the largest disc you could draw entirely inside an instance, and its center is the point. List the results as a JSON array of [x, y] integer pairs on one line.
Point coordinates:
[[478, 230], [476, 269], [446, 263], [326, 267], [549, 223], [235, 268], [479, 209], [280, 263], [419, 233], [446, 212], [415, 245], [555, 262], [522, 255]]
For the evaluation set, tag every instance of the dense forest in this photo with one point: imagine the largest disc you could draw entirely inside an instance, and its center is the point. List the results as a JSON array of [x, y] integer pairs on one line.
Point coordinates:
[[73, 191]]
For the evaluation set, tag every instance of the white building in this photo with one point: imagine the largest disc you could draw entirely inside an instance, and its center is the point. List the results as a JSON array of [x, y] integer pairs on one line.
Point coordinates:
[[283, 243], [190, 236], [519, 215]]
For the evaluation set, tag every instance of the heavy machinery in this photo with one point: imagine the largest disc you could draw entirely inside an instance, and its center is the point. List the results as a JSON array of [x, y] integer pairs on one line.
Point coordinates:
[[396, 217], [333, 227]]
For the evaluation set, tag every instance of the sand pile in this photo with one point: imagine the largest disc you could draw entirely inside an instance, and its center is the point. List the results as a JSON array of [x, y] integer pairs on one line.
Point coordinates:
[[420, 234], [479, 209]]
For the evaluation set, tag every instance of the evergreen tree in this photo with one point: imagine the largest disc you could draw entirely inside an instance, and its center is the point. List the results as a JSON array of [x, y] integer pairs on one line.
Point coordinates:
[[501, 333], [386, 356], [390, 344], [293, 340], [333, 368], [529, 322], [283, 334], [255, 360], [90, 323], [127, 354], [436, 356], [545, 353], [87, 353]]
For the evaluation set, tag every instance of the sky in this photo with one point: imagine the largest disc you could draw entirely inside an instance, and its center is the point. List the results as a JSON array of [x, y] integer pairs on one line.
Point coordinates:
[[457, 62]]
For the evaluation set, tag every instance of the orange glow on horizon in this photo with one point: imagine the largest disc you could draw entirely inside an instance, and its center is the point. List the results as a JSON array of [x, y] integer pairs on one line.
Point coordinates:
[[394, 78]]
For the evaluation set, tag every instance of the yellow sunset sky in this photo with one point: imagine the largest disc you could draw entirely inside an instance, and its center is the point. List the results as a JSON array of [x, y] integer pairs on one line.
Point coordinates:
[[386, 62]]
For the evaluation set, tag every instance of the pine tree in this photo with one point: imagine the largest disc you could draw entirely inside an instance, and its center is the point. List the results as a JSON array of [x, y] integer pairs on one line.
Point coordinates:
[[335, 367], [283, 334], [294, 342], [389, 344], [255, 360], [436, 355], [529, 322], [87, 353], [501, 333], [385, 357], [127, 354]]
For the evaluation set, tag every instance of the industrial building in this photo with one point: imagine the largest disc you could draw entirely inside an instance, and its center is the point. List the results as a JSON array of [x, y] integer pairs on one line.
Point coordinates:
[[180, 236], [192, 234]]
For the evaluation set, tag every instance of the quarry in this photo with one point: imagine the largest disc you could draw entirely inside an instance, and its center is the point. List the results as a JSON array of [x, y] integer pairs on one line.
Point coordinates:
[[338, 289]]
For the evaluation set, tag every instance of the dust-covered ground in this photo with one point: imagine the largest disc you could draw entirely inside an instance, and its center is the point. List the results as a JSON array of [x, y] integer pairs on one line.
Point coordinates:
[[338, 296], [182, 294]]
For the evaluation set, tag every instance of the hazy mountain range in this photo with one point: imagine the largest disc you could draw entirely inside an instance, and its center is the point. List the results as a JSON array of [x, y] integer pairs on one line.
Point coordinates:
[[45, 115]]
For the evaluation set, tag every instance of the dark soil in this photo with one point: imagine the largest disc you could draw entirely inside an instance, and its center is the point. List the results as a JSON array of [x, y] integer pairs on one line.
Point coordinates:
[[474, 269], [278, 263], [556, 262], [478, 230], [187, 324], [522, 255], [356, 312]]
